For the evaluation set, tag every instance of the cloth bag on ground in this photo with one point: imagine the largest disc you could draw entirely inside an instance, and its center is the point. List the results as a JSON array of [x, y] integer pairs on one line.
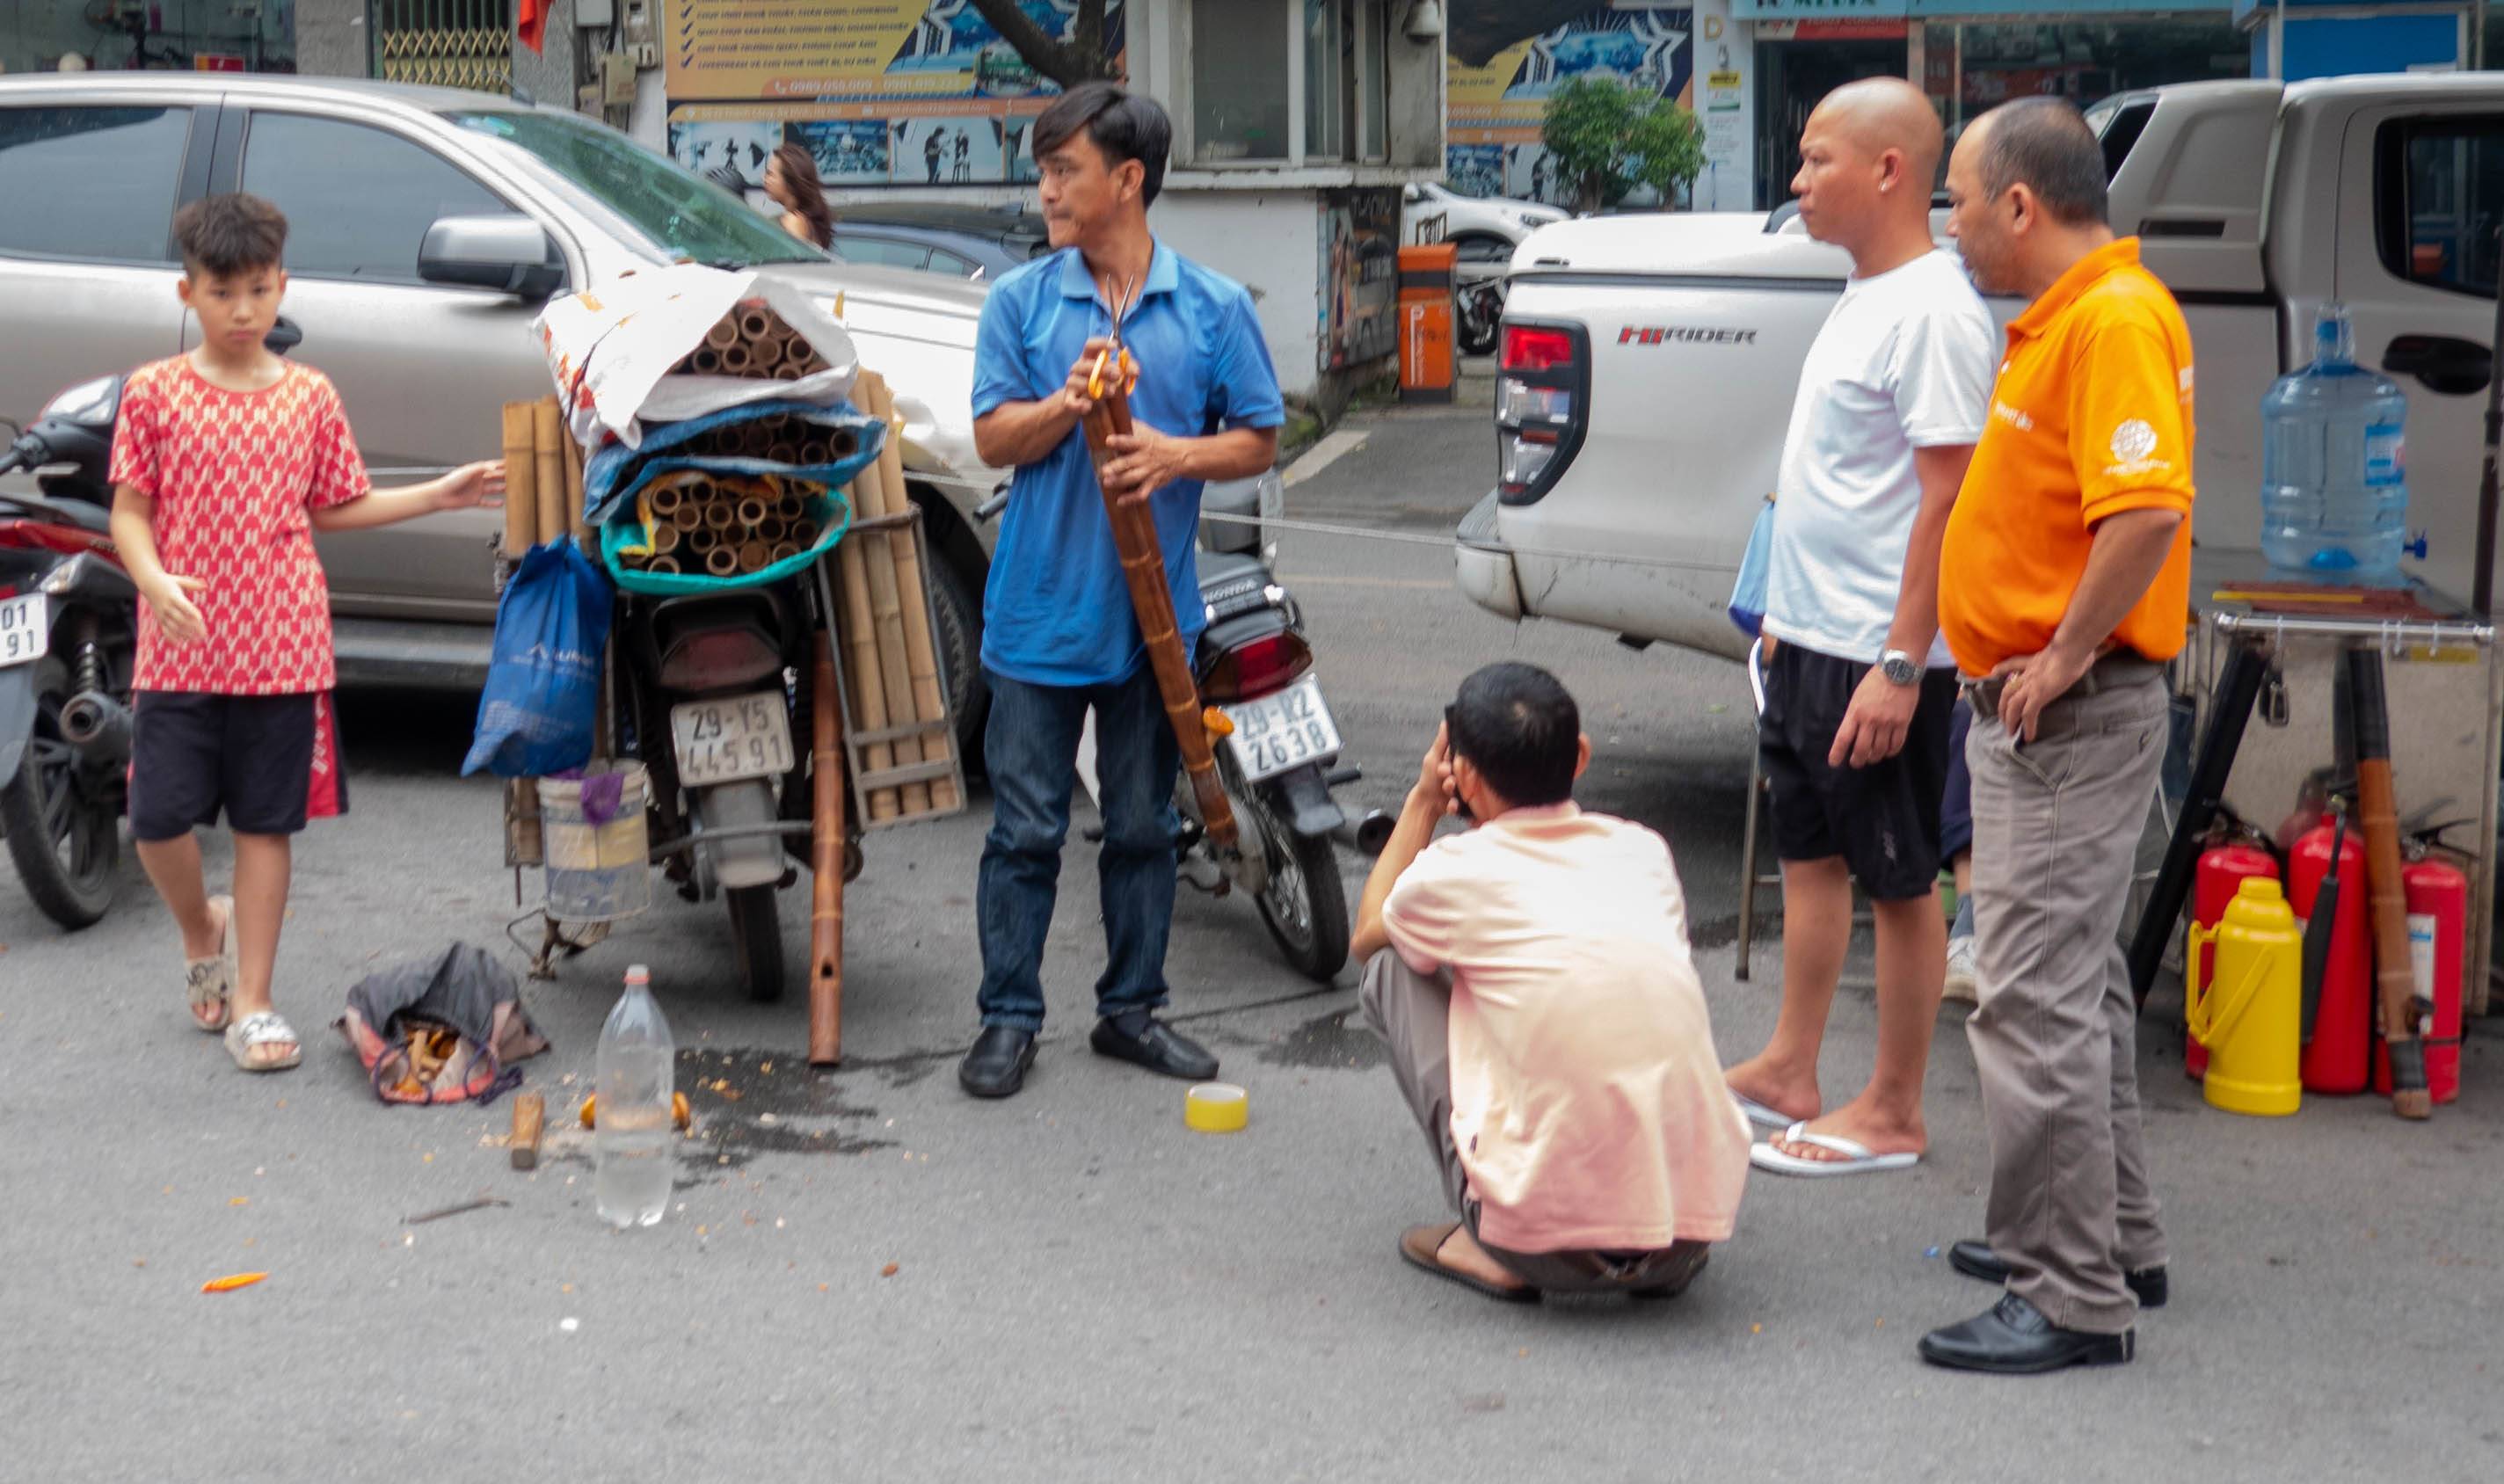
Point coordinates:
[[462, 991], [542, 703]]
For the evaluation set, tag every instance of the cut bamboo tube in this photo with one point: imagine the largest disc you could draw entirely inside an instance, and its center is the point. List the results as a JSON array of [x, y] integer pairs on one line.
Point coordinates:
[[813, 455], [843, 444], [825, 864], [583, 536], [784, 551], [724, 331], [805, 531], [752, 440], [521, 478], [705, 362], [662, 565], [718, 514], [929, 701], [733, 360], [721, 562], [772, 529], [666, 499], [529, 1120], [547, 429], [665, 538], [756, 322], [868, 683], [751, 514], [751, 556], [687, 517]]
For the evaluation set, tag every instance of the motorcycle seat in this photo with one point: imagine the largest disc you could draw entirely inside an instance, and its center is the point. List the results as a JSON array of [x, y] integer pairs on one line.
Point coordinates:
[[85, 516], [1225, 568]]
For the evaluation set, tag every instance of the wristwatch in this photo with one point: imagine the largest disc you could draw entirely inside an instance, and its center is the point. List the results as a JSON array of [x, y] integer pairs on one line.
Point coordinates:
[[1899, 668]]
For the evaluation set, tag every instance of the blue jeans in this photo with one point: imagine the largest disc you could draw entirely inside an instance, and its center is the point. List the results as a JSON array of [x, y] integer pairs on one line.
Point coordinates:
[[1031, 748]]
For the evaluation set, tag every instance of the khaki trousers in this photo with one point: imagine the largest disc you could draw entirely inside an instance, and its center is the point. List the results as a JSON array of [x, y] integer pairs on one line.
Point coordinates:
[[1412, 1014], [2056, 828]]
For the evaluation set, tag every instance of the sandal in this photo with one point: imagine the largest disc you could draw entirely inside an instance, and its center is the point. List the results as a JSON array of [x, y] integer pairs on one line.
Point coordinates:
[[1423, 1246], [261, 1028], [207, 983]]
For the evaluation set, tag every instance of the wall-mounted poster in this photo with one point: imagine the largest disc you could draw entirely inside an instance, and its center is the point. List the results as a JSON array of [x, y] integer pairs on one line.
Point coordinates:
[[913, 92], [1360, 276], [1493, 111]]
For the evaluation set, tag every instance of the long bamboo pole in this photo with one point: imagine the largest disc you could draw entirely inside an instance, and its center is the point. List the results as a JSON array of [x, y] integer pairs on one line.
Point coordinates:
[[826, 864], [1143, 567], [921, 660], [868, 686], [521, 478], [548, 438]]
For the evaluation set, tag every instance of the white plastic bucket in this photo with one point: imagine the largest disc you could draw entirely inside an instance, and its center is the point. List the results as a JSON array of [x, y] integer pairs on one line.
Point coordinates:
[[596, 873]]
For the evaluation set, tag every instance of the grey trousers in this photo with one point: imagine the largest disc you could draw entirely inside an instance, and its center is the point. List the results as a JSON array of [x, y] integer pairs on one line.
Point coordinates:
[[2055, 827], [1412, 1014]]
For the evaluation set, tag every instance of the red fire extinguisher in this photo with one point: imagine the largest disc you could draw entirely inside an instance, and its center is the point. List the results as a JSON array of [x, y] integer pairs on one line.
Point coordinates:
[[2222, 871], [2341, 995], [2437, 896]]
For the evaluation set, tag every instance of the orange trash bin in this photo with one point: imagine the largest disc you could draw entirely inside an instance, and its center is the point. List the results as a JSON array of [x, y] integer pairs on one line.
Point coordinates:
[[1426, 321]]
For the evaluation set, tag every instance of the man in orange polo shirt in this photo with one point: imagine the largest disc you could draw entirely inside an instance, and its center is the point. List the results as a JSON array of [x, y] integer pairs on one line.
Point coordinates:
[[2063, 588]]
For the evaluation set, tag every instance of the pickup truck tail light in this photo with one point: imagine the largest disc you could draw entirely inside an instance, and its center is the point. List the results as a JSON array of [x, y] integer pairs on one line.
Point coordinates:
[[1543, 394]]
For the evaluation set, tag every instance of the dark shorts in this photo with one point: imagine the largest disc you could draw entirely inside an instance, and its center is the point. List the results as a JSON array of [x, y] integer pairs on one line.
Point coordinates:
[[196, 755], [1884, 819], [1956, 805]]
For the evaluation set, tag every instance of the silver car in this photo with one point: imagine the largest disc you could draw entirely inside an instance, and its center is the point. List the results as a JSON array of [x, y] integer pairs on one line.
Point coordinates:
[[93, 166]]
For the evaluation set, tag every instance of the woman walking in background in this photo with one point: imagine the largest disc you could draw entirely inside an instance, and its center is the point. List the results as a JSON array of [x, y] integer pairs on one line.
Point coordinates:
[[791, 180]]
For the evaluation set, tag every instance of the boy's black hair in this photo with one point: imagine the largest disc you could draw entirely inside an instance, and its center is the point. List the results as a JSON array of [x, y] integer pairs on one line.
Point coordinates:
[[1125, 125], [1520, 728], [223, 235], [2045, 144]]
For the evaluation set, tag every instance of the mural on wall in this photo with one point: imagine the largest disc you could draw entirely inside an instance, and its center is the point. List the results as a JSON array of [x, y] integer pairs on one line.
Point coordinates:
[[1360, 276], [917, 92], [1492, 142]]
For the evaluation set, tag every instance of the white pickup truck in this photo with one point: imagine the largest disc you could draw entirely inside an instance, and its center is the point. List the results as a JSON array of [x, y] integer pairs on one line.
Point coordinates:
[[1648, 363]]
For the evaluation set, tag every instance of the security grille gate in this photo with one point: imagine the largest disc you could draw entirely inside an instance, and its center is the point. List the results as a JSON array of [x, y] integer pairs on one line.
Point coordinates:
[[446, 43]]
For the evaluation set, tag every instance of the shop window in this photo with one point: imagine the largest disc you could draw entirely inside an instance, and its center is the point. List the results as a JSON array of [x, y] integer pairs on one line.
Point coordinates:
[[1238, 81], [2440, 189], [358, 200], [105, 177]]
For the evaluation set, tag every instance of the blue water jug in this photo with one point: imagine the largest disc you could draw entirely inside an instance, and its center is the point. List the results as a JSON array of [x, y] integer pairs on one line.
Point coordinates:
[[2334, 490]]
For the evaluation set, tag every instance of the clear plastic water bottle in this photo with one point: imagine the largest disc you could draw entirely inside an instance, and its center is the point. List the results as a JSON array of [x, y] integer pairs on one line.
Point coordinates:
[[632, 1158], [2334, 490]]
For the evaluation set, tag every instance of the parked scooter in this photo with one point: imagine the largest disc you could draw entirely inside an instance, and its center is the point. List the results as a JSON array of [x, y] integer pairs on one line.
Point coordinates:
[[716, 692], [1478, 306], [67, 642], [1279, 761]]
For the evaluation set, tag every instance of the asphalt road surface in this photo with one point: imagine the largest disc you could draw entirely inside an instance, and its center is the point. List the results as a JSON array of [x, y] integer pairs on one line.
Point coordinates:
[[866, 1275]]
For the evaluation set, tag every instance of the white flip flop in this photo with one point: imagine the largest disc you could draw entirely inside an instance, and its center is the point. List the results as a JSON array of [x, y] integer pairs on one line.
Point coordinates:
[[1857, 1158], [1760, 1115], [264, 1027]]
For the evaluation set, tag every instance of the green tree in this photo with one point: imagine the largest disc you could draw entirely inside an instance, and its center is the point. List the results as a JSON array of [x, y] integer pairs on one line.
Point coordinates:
[[1608, 138], [1080, 59]]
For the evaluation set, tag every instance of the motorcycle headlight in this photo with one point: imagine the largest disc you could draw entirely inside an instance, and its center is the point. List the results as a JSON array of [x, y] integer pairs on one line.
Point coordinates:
[[89, 403]]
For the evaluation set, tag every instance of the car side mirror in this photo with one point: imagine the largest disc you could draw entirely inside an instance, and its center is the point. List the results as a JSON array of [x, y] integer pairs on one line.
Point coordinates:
[[512, 255], [1412, 195], [283, 336]]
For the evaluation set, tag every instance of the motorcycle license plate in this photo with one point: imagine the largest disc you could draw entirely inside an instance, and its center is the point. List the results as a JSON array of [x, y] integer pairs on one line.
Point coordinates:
[[23, 633], [1285, 730], [737, 737]]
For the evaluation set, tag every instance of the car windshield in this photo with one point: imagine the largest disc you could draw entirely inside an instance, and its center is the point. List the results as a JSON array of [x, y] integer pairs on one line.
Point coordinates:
[[679, 213]]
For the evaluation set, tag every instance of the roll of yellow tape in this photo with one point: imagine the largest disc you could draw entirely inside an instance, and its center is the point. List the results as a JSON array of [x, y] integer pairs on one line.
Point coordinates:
[[1217, 1107]]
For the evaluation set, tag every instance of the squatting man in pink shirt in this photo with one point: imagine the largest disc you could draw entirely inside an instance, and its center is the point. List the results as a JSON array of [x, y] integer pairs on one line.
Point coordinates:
[[1533, 980]]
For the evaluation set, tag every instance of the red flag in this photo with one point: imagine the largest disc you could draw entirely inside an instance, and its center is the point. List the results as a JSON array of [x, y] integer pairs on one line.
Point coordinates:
[[533, 23]]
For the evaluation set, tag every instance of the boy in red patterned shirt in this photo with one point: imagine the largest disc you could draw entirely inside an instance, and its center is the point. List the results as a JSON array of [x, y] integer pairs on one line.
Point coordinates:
[[224, 463]]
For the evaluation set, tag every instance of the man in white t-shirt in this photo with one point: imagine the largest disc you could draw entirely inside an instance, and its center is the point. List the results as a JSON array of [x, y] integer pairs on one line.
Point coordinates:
[[1857, 686], [1546, 1026]]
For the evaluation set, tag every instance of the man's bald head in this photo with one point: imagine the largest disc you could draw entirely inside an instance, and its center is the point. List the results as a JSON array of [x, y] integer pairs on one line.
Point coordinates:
[[1882, 114]]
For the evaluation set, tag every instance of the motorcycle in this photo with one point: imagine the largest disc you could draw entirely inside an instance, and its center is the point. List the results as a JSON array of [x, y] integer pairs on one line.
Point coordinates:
[[716, 693], [68, 639], [1477, 305], [1278, 758]]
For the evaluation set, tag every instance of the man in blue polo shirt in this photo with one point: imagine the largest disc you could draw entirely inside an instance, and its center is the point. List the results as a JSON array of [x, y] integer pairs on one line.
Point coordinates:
[[1059, 633]]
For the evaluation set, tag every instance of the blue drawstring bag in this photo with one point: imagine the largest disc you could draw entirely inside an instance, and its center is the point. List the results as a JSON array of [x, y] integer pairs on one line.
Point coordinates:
[[1747, 594], [542, 699]]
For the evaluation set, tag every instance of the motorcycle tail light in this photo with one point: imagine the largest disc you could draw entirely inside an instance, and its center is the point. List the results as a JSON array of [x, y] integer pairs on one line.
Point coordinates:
[[719, 659], [1252, 669]]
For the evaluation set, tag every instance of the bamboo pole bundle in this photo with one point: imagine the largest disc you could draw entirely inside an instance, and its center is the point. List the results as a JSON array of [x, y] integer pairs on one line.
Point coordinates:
[[887, 607], [922, 659], [868, 683]]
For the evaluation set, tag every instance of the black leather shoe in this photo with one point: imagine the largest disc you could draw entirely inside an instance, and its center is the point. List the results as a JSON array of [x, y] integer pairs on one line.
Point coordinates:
[[2015, 1339], [1159, 1047], [997, 1065], [1976, 1259]]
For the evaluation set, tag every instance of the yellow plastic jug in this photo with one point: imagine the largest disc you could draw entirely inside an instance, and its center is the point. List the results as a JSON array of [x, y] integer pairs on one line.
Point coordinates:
[[2250, 1015]]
